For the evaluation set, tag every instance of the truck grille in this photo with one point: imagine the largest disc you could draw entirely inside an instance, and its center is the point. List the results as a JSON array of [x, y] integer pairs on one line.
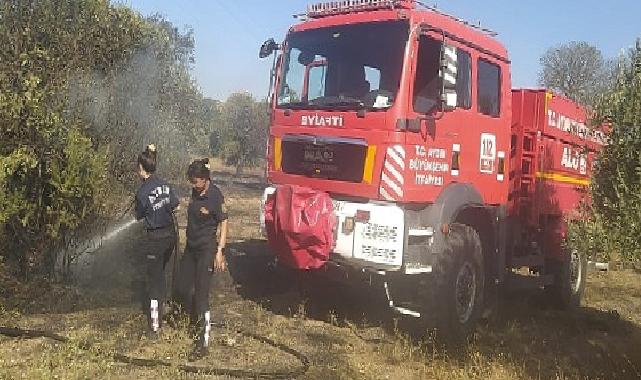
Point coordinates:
[[338, 159]]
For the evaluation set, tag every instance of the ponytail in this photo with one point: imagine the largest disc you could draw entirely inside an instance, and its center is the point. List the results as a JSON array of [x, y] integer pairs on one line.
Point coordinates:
[[147, 159]]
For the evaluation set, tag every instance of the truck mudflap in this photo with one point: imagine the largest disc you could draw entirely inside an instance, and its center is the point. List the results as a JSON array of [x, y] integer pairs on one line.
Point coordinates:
[[300, 225]]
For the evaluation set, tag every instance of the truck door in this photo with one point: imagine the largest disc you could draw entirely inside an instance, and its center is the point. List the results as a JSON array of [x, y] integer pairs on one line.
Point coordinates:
[[487, 138], [468, 142], [435, 152]]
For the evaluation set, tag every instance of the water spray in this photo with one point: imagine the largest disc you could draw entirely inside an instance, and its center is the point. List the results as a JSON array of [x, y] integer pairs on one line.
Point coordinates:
[[89, 246]]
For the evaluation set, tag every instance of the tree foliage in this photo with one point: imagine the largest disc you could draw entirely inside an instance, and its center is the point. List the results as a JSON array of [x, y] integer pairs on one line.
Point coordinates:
[[616, 189], [576, 70], [84, 85], [243, 138]]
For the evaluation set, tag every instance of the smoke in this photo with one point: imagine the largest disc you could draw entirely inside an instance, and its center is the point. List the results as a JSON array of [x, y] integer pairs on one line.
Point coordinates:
[[123, 101], [139, 90], [133, 105], [124, 109]]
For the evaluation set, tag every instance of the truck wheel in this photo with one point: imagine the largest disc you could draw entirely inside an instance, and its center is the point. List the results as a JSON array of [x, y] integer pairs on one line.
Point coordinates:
[[569, 280], [455, 299]]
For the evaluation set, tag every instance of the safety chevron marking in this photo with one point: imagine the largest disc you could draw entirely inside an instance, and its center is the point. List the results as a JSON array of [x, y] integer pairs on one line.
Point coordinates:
[[392, 181]]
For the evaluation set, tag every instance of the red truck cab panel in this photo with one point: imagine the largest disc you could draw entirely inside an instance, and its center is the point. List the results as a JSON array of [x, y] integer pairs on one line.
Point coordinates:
[[466, 145]]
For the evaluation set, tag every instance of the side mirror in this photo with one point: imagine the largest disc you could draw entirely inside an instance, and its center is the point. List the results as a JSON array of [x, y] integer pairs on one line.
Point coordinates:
[[305, 58], [267, 48], [449, 70]]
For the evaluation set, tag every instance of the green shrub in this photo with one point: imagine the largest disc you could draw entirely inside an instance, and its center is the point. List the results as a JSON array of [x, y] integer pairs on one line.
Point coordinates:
[[84, 86], [616, 186]]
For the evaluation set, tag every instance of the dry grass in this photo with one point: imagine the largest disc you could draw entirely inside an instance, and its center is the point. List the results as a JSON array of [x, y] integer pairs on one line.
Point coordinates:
[[346, 334]]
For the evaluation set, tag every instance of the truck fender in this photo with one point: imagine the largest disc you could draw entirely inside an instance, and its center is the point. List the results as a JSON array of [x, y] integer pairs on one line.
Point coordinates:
[[453, 199]]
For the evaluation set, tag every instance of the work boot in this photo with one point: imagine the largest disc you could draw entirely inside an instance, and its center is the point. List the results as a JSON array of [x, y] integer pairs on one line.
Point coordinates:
[[201, 341], [198, 353], [173, 314], [152, 336]]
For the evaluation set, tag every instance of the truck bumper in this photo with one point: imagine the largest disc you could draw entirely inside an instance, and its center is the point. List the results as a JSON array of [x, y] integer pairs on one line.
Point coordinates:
[[375, 237]]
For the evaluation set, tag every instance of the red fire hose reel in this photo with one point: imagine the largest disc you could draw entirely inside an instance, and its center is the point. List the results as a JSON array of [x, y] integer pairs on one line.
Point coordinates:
[[300, 224]]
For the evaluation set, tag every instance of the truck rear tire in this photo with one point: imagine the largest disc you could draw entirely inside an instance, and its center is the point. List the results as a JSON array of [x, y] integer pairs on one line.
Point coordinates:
[[455, 290], [569, 280]]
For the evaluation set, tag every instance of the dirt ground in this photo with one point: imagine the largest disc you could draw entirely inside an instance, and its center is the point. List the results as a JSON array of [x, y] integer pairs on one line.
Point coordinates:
[[345, 333]]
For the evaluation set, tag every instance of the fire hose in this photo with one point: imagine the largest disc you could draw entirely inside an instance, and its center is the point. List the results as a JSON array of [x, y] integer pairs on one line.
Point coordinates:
[[14, 332]]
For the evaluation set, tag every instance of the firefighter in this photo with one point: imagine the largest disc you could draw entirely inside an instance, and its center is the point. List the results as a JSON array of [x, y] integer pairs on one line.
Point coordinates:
[[155, 204], [204, 254]]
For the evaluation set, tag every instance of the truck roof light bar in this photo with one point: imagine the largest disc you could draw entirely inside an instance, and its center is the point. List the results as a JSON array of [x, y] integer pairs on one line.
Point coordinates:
[[464, 22], [329, 8]]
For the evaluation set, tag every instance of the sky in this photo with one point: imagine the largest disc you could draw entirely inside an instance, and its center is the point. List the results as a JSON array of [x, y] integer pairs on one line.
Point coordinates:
[[228, 33]]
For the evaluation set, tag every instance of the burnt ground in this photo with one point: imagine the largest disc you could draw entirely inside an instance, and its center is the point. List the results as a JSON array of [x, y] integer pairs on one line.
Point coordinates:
[[346, 333]]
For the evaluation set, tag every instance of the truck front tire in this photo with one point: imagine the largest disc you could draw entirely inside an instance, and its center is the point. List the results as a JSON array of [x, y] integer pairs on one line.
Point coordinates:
[[454, 293]]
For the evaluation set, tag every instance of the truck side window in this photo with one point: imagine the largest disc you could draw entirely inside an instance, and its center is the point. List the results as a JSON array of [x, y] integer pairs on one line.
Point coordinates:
[[427, 86], [489, 85], [464, 79], [292, 88], [427, 82]]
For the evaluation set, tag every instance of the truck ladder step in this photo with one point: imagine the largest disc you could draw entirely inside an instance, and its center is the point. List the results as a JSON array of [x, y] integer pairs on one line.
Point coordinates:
[[411, 312]]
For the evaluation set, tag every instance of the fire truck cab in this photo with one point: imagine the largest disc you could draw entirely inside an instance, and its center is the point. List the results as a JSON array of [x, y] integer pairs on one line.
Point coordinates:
[[443, 180]]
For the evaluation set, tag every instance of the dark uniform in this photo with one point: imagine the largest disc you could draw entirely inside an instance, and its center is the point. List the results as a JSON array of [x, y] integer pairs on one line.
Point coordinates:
[[155, 203], [204, 214]]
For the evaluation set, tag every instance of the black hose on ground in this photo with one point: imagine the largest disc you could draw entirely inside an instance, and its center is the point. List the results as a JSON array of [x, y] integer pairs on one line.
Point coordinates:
[[376, 341], [14, 332]]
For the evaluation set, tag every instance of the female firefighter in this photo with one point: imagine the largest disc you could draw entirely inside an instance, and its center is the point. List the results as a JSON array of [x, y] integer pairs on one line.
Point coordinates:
[[203, 254], [155, 203]]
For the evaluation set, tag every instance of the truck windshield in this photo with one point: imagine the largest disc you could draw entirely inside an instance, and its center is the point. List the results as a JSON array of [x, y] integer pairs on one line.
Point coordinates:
[[345, 67]]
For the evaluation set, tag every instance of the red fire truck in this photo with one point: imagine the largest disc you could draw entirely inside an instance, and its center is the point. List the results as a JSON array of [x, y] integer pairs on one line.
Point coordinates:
[[399, 152]]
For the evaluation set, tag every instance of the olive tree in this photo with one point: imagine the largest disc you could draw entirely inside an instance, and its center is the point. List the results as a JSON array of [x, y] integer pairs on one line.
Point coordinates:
[[576, 70], [244, 135]]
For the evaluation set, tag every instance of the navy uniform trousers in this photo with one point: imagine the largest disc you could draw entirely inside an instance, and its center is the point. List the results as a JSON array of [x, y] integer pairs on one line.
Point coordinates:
[[157, 248]]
